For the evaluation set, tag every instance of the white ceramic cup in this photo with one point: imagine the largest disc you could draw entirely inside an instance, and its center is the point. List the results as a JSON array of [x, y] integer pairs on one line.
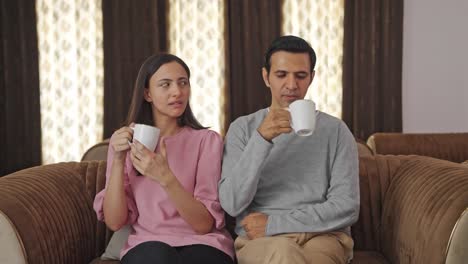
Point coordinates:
[[146, 135], [302, 117]]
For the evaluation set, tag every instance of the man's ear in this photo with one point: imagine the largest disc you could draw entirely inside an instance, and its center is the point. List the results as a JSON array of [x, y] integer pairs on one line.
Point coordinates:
[[265, 77], [146, 95], [312, 75]]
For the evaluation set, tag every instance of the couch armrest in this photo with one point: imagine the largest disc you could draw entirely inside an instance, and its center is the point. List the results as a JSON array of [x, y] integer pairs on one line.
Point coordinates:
[[423, 202], [51, 211]]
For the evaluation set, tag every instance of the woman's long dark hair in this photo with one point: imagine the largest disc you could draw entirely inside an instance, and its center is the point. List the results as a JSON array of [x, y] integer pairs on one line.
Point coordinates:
[[140, 110]]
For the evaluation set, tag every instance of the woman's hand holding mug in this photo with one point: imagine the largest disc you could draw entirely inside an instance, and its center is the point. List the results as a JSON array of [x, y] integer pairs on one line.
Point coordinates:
[[119, 142], [153, 165]]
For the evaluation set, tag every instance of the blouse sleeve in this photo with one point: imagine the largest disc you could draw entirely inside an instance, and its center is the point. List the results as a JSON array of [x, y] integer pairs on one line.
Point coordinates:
[[99, 199], [208, 175]]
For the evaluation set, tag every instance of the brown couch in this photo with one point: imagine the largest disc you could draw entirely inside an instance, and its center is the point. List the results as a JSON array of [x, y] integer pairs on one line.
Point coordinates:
[[409, 207], [446, 146]]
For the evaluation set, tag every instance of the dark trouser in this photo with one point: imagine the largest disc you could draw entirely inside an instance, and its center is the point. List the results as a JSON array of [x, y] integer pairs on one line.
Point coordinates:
[[156, 252]]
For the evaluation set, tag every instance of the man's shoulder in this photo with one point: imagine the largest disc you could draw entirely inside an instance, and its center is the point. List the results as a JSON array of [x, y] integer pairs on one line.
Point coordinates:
[[332, 126], [329, 121], [249, 120]]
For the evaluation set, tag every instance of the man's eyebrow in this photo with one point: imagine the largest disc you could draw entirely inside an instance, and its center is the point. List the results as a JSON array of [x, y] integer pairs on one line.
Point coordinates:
[[297, 72], [301, 72]]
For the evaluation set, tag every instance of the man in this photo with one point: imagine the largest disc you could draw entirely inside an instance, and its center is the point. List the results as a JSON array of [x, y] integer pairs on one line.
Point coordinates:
[[294, 197]]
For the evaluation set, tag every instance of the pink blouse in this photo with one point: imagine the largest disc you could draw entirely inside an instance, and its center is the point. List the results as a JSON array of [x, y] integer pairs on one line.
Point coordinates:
[[194, 157]]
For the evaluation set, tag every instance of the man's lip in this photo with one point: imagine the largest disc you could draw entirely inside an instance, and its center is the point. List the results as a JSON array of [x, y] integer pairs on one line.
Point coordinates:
[[291, 96]]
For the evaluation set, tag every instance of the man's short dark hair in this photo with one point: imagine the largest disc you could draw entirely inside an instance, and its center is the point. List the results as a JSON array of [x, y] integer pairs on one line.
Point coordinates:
[[290, 44]]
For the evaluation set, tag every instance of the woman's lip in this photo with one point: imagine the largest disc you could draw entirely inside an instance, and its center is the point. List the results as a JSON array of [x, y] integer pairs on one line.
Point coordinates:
[[176, 104]]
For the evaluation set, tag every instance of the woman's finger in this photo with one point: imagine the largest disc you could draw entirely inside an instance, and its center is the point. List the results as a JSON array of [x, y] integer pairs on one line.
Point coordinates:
[[135, 152], [136, 161], [163, 148], [121, 141], [142, 148]]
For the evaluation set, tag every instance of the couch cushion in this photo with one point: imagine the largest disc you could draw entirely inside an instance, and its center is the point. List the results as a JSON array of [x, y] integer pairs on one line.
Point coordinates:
[[375, 174], [457, 249], [368, 257], [116, 244], [363, 149], [11, 249], [360, 257], [100, 261]]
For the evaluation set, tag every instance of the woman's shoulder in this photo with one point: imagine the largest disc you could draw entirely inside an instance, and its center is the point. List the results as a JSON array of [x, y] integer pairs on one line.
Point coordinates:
[[206, 135]]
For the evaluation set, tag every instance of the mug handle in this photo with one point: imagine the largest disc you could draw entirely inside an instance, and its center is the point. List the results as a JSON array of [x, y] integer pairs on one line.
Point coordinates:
[[129, 142]]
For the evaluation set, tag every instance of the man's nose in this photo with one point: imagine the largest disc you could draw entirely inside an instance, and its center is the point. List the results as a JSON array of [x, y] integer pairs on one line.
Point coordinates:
[[291, 82]]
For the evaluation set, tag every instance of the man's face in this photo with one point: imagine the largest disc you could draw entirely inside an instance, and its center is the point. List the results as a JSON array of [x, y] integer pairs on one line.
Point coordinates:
[[289, 77]]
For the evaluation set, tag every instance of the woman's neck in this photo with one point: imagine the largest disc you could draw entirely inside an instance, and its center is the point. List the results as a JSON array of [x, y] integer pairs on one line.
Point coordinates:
[[168, 126]]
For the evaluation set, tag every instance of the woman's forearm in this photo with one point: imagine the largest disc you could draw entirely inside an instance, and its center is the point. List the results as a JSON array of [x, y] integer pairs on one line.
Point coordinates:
[[115, 202], [190, 209]]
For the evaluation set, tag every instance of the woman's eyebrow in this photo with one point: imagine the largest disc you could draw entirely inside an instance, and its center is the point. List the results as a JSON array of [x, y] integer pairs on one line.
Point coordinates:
[[165, 80]]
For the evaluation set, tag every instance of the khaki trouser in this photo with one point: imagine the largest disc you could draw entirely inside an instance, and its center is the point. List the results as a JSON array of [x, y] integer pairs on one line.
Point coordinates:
[[296, 248]]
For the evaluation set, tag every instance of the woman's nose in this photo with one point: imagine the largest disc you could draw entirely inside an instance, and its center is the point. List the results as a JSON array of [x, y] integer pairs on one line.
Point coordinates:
[[176, 91]]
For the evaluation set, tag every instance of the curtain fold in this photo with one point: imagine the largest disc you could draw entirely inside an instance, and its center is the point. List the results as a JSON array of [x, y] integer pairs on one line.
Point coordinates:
[[372, 66], [20, 133], [133, 30], [251, 26]]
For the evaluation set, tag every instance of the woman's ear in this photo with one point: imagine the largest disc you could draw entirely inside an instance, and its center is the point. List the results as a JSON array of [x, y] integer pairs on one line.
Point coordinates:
[[147, 96]]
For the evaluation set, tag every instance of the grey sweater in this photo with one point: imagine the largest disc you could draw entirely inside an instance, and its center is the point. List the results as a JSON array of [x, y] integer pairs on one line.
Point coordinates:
[[304, 184]]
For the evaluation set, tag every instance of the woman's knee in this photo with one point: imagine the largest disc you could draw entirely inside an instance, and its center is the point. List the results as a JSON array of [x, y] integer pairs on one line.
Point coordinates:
[[203, 254], [151, 252]]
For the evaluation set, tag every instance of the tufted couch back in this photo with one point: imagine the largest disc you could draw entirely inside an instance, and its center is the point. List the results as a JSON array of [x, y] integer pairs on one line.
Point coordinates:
[[446, 146]]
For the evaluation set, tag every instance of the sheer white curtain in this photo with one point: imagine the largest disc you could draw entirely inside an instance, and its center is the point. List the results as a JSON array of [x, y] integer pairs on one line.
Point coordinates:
[[196, 35], [320, 22], [71, 77]]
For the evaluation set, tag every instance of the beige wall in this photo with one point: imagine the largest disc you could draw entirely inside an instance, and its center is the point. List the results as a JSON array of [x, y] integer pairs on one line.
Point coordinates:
[[435, 66]]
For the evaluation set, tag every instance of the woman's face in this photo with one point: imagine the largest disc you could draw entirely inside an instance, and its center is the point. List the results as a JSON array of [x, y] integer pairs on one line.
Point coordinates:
[[169, 91]]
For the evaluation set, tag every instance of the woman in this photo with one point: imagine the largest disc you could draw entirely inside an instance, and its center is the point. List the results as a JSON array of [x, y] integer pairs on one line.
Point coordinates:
[[170, 196]]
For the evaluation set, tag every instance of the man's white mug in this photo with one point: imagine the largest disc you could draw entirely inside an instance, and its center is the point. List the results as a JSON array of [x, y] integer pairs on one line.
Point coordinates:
[[302, 117], [146, 135]]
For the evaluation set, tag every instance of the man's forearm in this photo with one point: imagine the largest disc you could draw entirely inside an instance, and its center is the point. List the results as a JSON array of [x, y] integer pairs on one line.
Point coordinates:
[[241, 173], [324, 217]]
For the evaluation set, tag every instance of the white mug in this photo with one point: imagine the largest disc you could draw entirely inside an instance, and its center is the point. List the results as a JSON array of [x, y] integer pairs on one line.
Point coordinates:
[[302, 117], [146, 135]]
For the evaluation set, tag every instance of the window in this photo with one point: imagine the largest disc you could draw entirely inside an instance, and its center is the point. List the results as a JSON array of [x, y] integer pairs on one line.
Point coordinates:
[[196, 34], [320, 22], [71, 77]]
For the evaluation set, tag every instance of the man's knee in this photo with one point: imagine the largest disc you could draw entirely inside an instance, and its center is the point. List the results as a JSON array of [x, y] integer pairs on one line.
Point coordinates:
[[327, 248], [283, 247], [271, 250]]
